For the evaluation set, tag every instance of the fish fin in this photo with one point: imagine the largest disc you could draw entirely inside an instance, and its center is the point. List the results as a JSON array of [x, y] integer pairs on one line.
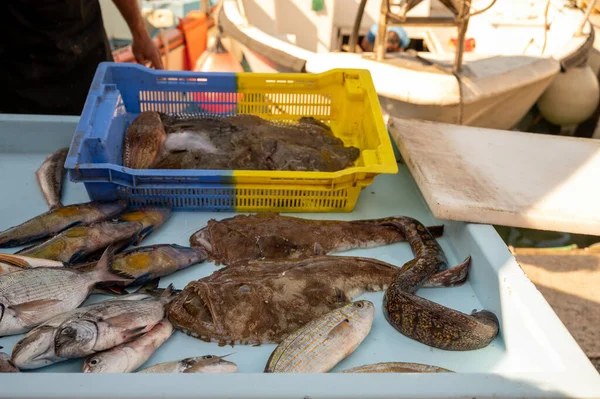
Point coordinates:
[[27, 311], [168, 292], [118, 321], [79, 254], [104, 272], [112, 290], [134, 331], [341, 328], [13, 260], [452, 277], [146, 231], [318, 249], [149, 286]]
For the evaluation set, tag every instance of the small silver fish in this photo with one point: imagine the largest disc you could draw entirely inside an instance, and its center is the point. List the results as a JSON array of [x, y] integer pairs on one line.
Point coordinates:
[[201, 364], [103, 328], [12, 263], [325, 341], [6, 364], [130, 356], [30, 297], [36, 349], [50, 177]]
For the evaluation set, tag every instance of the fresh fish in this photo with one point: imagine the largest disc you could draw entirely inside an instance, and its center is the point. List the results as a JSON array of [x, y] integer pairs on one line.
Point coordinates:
[[50, 177], [103, 328], [37, 348], [30, 297], [262, 302], [185, 141], [201, 364], [154, 261], [58, 220], [272, 236], [324, 342], [396, 367], [151, 217], [143, 140], [426, 321], [74, 244], [12, 263], [130, 356], [6, 364]]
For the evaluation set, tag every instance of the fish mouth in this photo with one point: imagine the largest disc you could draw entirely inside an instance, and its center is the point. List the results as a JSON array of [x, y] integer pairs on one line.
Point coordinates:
[[201, 239], [192, 314]]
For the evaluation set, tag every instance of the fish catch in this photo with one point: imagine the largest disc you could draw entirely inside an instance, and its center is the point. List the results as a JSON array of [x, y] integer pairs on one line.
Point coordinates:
[[128, 357], [6, 364], [201, 364], [324, 342], [37, 348], [30, 297], [77, 243], [12, 263], [143, 140], [397, 367], [272, 236], [262, 302], [50, 177], [58, 220], [426, 321], [248, 142], [103, 328], [154, 261]]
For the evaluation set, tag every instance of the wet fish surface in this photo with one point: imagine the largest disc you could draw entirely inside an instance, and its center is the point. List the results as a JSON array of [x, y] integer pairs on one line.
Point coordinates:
[[249, 142], [325, 341], [200, 364], [426, 321], [30, 297], [262, 302], [58, 220], [37, 348], [154, 261], [272, 236], [143, 140], [396, 367], [6, 364], [11, 263], [128, 357], [50, 177]]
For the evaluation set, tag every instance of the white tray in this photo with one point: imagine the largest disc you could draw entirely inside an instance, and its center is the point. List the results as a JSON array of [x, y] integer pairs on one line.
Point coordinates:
[[534, 356]]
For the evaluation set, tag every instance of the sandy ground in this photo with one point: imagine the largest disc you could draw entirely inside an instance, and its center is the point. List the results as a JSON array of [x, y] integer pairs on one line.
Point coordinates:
[[570, 282]]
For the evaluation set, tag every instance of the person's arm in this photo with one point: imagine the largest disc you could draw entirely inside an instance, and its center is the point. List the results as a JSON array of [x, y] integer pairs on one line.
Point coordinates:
[[142, 46]]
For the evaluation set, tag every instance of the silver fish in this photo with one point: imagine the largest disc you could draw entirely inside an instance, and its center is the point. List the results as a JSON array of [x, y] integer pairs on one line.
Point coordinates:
[[50, 177], [130, 356], [30, 297], [201, 364], [12, 263], [53, 222], [325, 341], [37, 348], [6, 364], [103, 328]]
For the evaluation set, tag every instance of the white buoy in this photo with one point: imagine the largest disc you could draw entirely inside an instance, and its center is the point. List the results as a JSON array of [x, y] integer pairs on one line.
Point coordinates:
[[571, 98]]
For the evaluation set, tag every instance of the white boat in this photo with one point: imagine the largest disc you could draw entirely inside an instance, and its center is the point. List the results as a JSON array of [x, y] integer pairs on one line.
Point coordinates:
[[514, 61]]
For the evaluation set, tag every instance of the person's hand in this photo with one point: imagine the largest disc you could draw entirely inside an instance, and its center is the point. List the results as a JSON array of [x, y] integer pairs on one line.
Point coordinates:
[[144, 50]]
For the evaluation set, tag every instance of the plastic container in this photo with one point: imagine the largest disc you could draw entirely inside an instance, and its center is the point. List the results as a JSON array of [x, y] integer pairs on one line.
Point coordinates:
[[345, 99]]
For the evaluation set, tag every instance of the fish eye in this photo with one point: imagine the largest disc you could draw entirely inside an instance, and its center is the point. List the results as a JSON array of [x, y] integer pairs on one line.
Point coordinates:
[[208, 356], [358, 304], [94, 362]]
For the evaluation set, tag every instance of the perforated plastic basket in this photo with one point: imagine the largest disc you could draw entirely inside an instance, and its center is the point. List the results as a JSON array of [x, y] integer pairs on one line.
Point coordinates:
[[345, 99]]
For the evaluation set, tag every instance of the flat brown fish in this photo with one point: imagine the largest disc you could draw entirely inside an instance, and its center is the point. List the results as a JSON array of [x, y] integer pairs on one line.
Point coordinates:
[[272, 236], [426, 321], [262, 302], [143, 140], [50, 177], [58, 220]]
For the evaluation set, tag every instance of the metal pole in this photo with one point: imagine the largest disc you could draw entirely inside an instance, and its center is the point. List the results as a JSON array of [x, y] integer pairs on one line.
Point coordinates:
[[381, 31], [462, 31], [354, 37], [587, 14]]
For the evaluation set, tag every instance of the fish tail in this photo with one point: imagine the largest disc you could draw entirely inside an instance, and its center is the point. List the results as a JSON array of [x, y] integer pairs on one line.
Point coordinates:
[[168, 294], [103, 271]]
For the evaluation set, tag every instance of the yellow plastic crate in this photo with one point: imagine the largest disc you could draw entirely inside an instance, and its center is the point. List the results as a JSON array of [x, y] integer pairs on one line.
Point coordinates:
[[345, 99]]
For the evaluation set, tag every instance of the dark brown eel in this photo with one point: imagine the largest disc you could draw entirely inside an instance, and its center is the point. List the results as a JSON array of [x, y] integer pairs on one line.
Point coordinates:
[[423, 320]]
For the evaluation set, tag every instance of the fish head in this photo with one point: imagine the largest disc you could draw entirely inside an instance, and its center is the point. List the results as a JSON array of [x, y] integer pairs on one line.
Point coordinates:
[[209, 364], [36, 349], [111, 361], [194, 315], [360, 311], [111, 208], [76, 339]]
